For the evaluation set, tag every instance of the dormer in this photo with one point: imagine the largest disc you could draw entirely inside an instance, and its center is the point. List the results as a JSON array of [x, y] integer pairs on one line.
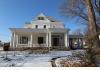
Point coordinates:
[[42, 17]]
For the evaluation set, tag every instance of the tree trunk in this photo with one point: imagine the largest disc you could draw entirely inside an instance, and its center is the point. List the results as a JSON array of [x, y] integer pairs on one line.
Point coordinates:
[[92, 24]]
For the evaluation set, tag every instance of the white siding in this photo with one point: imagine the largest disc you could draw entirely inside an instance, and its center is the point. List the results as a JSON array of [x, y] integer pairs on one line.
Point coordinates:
[[48, 25], [41, 23]]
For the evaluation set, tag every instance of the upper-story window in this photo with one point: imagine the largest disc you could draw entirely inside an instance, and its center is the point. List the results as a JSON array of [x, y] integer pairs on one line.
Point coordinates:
[[44, 26], [40, 18], [36, 26]]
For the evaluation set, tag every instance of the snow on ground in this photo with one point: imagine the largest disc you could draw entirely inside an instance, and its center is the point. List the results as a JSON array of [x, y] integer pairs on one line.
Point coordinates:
[[27, 59]]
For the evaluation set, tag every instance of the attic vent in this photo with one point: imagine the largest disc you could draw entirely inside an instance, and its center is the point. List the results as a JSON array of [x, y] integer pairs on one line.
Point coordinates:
[[40, 18]]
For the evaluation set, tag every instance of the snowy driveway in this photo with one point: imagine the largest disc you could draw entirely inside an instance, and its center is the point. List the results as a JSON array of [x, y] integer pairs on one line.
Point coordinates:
[[24, 59]]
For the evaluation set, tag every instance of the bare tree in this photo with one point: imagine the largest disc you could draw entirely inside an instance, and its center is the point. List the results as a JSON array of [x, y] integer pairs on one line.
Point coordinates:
[[77, 32], [88, 11], [78, 9], [92, 23], [97, 5]]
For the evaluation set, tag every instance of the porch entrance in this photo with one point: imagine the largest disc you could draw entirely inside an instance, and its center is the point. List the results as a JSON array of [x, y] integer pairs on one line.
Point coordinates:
[[55, 40], [40, 40]]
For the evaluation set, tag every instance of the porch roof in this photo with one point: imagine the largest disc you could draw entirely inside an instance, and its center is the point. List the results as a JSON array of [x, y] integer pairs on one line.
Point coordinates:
[[53, 30]]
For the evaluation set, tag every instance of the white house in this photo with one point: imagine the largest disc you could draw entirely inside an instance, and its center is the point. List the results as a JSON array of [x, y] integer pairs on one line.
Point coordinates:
[[43, 31]]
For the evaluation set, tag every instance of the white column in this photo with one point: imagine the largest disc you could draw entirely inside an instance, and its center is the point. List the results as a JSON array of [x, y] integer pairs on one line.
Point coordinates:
[[11, 41], [47, 40], [31, 40], [16, 40], [14, 36], [66, 40]]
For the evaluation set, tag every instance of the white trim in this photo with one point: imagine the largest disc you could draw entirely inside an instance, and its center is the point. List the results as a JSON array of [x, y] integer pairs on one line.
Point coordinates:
[[14, 36], [16, 40], [49, 39], [31, 40], [65, 37], [11, 41]]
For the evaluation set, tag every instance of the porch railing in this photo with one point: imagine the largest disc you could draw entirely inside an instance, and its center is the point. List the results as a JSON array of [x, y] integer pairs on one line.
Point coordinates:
[[33, 45], [39, 45]]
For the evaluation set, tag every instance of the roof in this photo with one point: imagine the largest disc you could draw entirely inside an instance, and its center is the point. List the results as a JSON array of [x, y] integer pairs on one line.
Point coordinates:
[[52, 19]]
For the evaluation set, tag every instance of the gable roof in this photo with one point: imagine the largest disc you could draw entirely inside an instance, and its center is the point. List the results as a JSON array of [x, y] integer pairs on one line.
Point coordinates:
[[51, 19]]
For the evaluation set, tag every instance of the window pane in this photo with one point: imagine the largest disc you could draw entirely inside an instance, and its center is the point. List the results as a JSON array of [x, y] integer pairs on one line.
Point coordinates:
[[23, 40], [40, 18]]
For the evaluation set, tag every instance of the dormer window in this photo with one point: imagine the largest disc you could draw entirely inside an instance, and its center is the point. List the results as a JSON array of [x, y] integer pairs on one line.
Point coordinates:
[[44, 26], [36, 26], [40, 18]]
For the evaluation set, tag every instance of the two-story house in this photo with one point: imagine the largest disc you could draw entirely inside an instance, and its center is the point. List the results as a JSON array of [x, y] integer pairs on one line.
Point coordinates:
[[43, 31]]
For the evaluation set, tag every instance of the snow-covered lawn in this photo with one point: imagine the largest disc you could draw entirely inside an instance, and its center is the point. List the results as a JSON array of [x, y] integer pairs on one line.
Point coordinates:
[[27, 59]]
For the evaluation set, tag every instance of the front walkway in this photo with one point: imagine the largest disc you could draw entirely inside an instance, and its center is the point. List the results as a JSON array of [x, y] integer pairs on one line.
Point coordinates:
[[25, 59]]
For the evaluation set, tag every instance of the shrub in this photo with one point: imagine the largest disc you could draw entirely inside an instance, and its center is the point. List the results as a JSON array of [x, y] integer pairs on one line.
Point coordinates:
[[6, 46]]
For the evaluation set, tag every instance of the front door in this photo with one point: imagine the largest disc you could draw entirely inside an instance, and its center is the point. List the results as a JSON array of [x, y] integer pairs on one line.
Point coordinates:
[[40, 40], [55, 41]]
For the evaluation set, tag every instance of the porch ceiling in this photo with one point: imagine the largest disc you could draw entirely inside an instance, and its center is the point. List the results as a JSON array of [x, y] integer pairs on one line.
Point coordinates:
[[28, 30]]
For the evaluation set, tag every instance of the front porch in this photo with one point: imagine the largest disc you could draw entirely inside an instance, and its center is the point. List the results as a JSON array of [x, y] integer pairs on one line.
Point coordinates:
[[39, 39]]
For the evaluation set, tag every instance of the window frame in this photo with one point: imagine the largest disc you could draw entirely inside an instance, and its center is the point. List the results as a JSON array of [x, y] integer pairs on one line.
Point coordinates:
[[23, 40], [40, 18]]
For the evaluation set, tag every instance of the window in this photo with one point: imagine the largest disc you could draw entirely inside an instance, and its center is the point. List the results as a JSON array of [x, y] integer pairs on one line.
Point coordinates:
[[40, 40], [36, 26], [44, 26], [23, 40], [40, 18]]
